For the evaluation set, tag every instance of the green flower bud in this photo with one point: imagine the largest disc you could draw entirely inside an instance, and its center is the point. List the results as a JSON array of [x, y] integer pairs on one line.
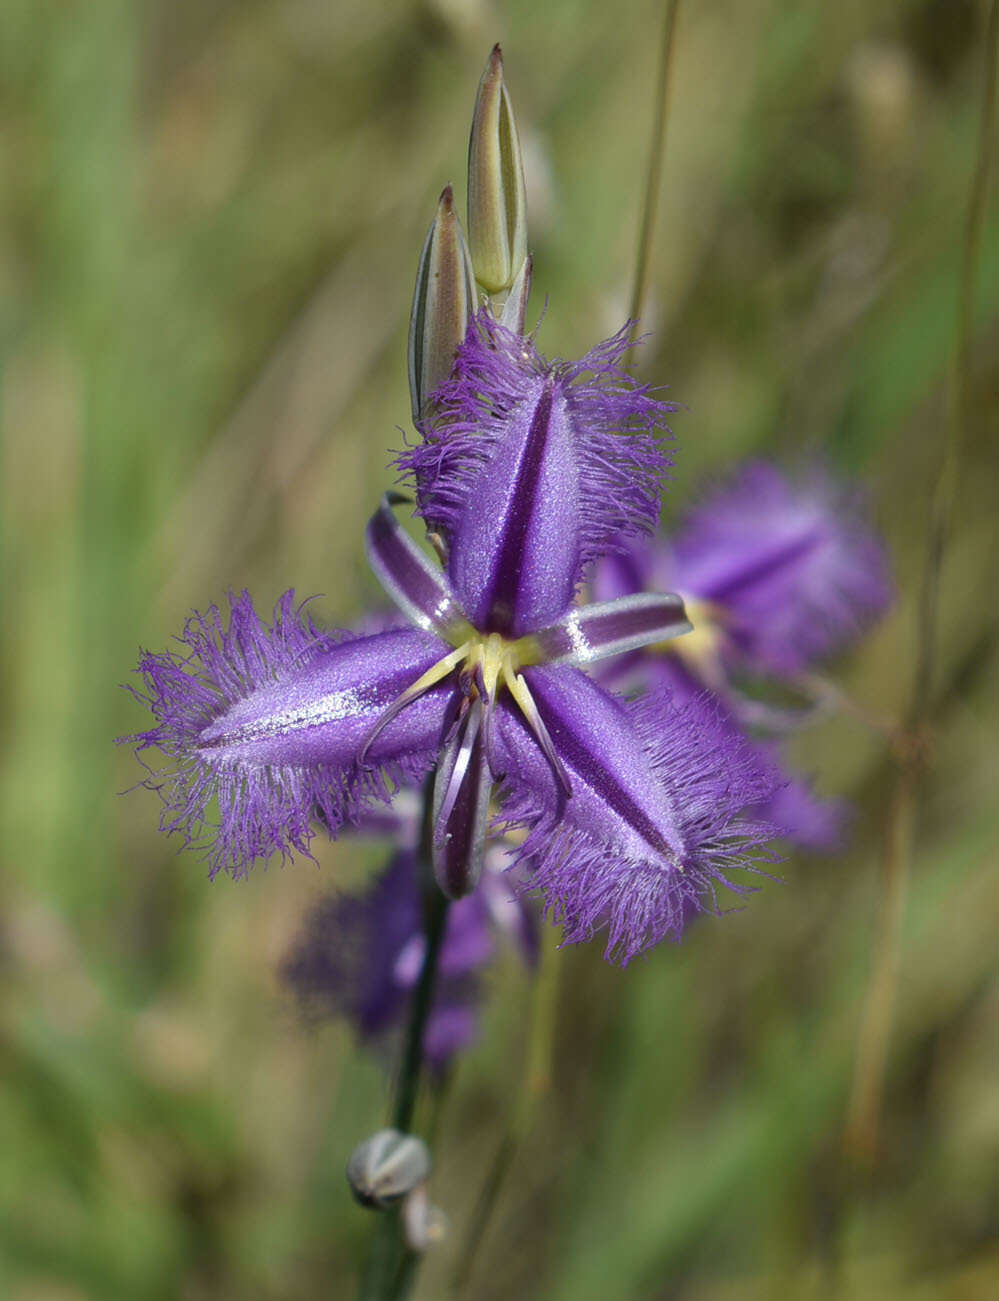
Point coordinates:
[[386, 1167], [497, 208], [443, 304]]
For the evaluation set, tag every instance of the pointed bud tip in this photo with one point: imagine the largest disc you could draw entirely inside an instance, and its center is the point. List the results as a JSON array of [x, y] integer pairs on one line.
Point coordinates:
[[493, 73], [387, 1167], [446, 202]]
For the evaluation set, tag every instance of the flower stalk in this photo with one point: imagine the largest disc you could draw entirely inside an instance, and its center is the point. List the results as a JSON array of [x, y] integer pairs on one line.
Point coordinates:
[[392, 1264], [654, 170]]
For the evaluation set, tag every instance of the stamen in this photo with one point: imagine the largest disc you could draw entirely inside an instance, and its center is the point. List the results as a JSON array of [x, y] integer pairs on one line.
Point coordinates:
[[485, 662], [436, 673], [522, 695]]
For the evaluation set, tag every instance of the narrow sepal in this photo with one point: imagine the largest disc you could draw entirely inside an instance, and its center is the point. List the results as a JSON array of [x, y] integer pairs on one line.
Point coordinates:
[[418, 587], [593, 632], [462, 786]]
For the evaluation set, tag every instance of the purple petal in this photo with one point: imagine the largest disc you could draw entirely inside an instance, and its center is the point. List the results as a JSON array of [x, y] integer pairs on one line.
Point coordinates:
[[594, 632], [803, 818], [532, 469], [655, 823], [468, 943], [796, 567], [268, 721], [343, 963], [359, 957], [462, 786], [452, 1027], [418, 587]]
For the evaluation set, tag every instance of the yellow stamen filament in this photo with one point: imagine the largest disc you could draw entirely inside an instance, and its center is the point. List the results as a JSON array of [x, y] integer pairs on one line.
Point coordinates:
[[487, 661]]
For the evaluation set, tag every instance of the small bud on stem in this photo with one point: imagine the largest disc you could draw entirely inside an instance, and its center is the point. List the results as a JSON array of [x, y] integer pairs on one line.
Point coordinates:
[[387, 1167]]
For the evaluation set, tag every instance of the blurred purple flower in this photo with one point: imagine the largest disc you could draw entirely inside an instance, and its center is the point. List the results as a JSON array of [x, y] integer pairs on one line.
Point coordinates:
[[782, 574], [796, 568], [360, 957], [775, 575]]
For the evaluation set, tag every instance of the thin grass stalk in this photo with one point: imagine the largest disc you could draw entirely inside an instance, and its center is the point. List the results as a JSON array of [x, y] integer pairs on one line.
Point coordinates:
[[863, 1122], [654, 170], [535, 1081]]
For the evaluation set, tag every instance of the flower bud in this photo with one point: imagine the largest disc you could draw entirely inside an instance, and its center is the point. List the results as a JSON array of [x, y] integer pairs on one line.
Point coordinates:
[[442, 305], [386, 1167], [497, 207], [423, 1223]]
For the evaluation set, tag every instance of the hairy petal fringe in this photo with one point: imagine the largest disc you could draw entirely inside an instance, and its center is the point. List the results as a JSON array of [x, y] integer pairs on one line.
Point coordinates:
[[265, 807], [709, 777], [618, 427]]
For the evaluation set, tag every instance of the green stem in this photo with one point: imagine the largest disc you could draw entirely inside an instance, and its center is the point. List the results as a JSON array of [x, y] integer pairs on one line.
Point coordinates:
[[435, 907], [654, 171], [391, 1266]]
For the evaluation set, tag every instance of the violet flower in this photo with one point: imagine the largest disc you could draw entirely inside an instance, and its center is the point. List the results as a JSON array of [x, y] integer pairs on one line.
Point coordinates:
[[360, 957], [528, 472], [775, 576], [779, 574]]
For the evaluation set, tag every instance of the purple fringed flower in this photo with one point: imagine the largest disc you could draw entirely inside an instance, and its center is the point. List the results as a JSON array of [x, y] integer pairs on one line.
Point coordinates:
[[360, 957], [785, 573], [796, 568], [774, 575], [530, 471]]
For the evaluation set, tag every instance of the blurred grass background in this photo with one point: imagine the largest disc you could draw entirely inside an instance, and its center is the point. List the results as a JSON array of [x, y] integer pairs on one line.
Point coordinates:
[[211, 216]]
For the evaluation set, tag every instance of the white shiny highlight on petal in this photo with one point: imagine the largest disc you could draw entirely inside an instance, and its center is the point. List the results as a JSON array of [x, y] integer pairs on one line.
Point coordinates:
[[331, 708], [582, 650]]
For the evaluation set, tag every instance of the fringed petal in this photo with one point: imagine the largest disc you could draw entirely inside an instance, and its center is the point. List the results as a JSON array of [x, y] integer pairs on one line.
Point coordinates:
[[532, 469], [657, 820], [267, 719]]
